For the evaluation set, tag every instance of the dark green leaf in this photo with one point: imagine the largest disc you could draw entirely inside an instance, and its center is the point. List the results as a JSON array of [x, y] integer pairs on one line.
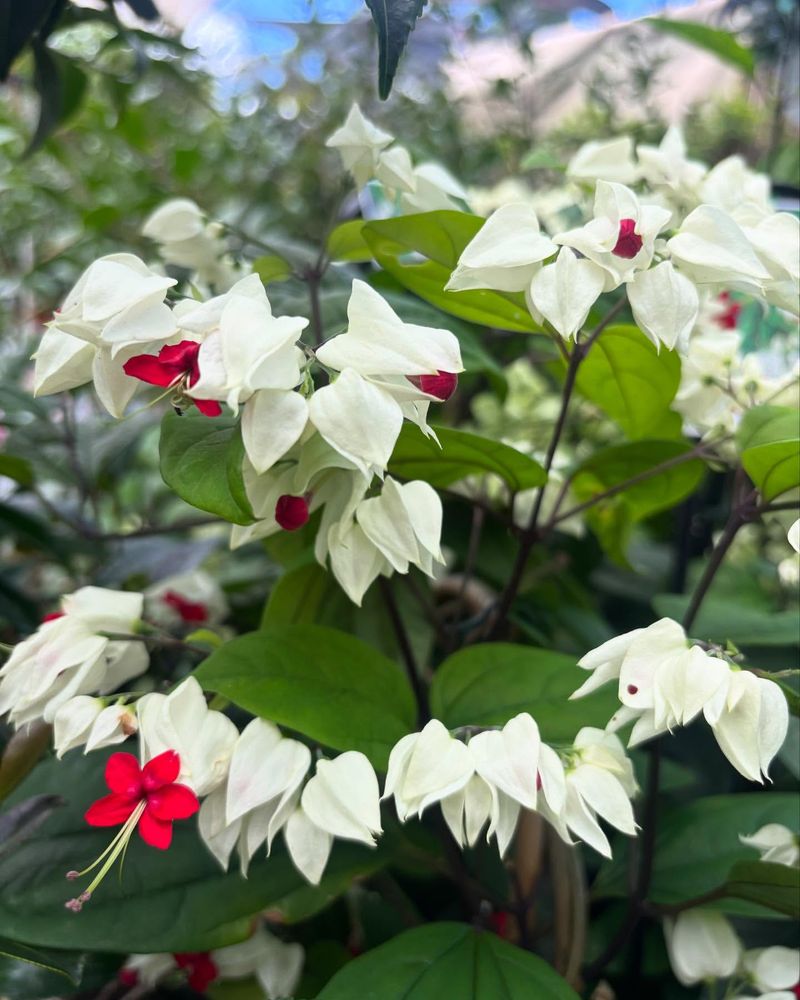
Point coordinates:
[[461, 454], [441, 237], [447, 960], [272, 268], [319, 681], [61, 85], [16, 468], [488, 684], [769, 443], [19, 23], [775, 886], [698, 844], [630, 380], [176, 900], [347, 242], [41, 974], [394, 22], [721, 43], [721, 619], [50, 962], [201, 460]]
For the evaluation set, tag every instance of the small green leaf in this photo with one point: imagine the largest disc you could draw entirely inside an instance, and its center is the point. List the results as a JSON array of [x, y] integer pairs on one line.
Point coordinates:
[[347, 243], [541, 158], [698, 844], [272, 268], [769, 444], [447, 960], [488, 684], [318, 681], [461, 454], [775, 886], [441, 237], [201, 460], [16, 468], [724, 618], [721, 43], [630, 380], [394, 22]]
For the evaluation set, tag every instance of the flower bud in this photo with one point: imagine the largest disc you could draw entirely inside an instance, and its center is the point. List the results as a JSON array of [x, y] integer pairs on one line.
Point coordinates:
[[291, 512], [629, 243]]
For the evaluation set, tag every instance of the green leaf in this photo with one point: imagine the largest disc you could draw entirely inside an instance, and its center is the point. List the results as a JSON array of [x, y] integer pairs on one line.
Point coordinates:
[[272, 268], [347, 243], [461, 454], [775, 886], [176, 900], [394, 22], [769, 444], [201, 460], [721, 619], [19, 23], [444, 960], [541, 158], [301, 595], [61, 86], [441, 236], [488, 684], [613, 518], [319, 681], [698, 844], [50, 962], [16, 468], [721, 43], [630, 380]]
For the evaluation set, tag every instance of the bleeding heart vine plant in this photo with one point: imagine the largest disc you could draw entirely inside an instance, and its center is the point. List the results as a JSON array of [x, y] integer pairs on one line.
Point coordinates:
[[253, 763]]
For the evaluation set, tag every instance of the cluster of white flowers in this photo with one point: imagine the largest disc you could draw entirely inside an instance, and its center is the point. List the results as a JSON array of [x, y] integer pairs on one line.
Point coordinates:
[[664, 682], [368, 154], [305, 449], [703, 946]]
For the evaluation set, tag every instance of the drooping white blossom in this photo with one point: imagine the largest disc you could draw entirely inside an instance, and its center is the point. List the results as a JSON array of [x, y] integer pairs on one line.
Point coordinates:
[[701, 945], [775, 843]]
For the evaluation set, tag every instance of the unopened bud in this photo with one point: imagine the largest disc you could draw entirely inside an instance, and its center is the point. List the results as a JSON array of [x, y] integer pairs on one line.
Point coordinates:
[[291, 512]]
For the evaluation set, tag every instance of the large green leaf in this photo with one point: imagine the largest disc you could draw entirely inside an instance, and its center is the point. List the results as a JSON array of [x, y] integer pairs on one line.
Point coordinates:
[[394, 21], [175, 900], [775, 886], [769, 444], [201, 460], [33, 974], [461, 454], [487, 684], [631, 381], [441, 236], [698, 844], [319, 681], [16, 468], [721, 43], [723, 618], [346, 242], [61, 84], [447, 960]]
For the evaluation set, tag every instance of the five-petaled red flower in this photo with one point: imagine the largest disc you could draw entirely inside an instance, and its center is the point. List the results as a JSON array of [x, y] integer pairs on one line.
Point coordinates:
[[199, 968], [151, 789], [171, 365]]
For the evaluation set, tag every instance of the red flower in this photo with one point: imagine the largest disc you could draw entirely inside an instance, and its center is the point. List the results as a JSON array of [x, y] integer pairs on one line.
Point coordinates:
[[52, 616], [190, 611], [442, 385], [200, 969], [151, 791], [170, 366], [291, 512], [629, 243]]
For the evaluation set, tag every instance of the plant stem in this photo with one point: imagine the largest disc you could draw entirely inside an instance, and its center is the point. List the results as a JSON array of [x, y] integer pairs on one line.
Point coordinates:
[[312, 278], [406, 649], [735, 521]]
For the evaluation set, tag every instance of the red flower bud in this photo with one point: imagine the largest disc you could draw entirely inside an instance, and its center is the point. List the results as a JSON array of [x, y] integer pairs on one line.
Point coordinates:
[[442, 385], [291, 512], [629, 243]]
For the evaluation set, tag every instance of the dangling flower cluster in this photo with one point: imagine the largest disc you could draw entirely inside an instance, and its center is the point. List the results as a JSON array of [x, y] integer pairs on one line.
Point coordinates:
[[368, 154], [664, 682], [304, 448]]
